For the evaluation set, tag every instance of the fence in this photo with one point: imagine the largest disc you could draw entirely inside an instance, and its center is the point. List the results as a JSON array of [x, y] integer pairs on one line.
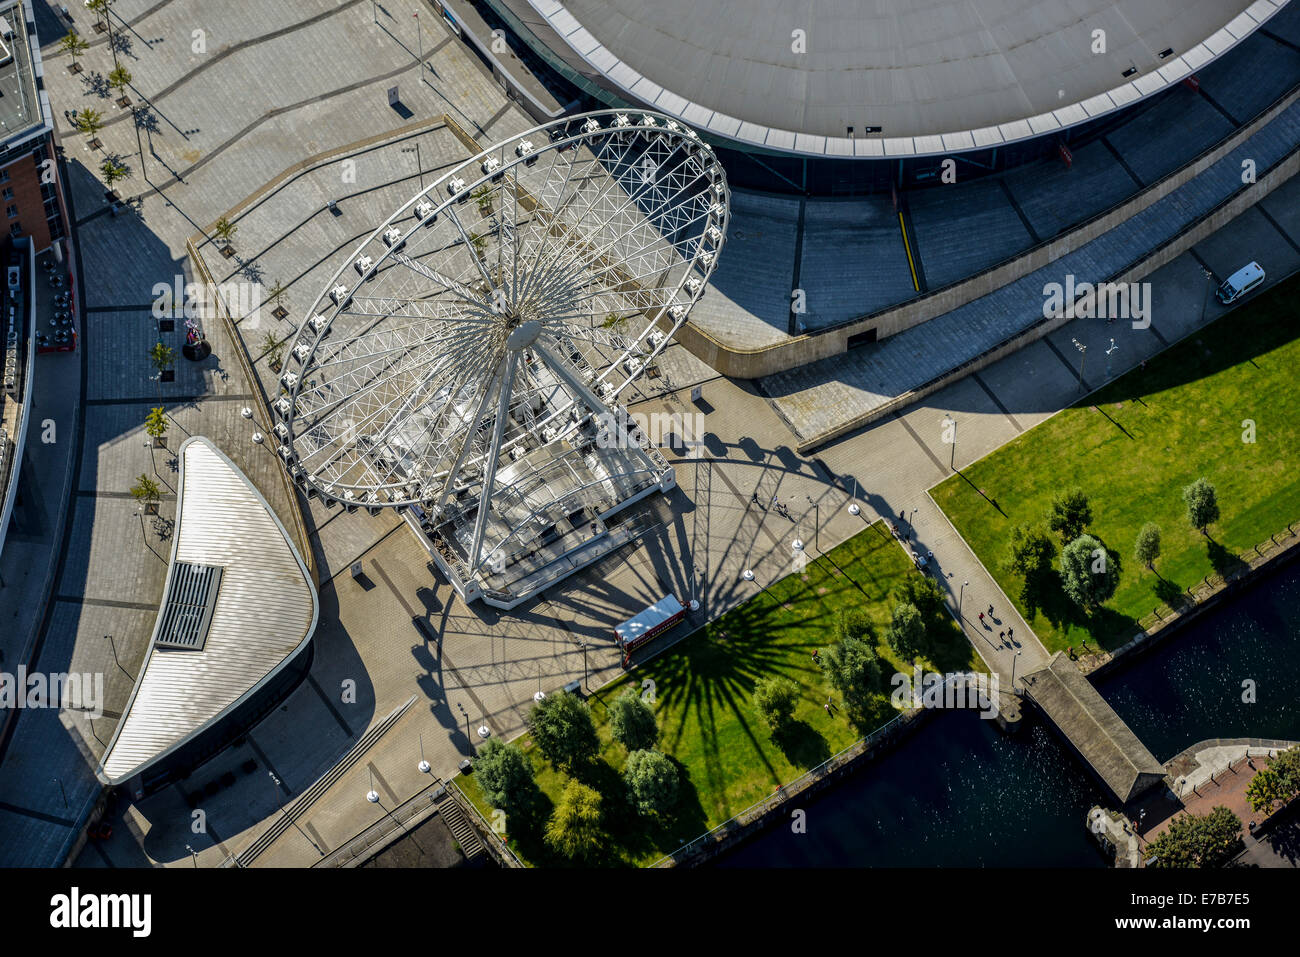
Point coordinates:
[[1153, 624]]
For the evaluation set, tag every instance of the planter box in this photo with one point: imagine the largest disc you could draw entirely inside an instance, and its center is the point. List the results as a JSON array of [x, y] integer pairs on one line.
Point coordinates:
[[160, 442], [123, 101], [166, 325], [227, 251], [75, 68], [280, 312], [151, 508], [99, 26], [94, 144]]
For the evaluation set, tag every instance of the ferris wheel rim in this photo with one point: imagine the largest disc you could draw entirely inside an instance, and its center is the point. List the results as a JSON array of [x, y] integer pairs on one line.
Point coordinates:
[[578, 131]]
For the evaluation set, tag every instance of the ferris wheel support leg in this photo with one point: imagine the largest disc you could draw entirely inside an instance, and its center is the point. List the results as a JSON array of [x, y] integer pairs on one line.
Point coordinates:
[[490, 469]]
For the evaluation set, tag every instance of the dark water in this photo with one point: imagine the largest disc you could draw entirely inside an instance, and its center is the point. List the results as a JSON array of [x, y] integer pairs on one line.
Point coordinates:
[[960, 793]]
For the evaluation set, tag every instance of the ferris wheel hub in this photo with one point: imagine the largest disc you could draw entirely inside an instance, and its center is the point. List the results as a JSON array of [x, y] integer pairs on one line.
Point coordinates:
[[524, 335]]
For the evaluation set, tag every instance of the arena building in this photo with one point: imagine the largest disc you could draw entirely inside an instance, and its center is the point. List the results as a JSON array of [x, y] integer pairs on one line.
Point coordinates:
[[803, 92]]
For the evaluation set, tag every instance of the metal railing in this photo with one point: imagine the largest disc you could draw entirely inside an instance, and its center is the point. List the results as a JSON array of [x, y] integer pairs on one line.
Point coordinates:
[[380, 834], [492, 839], [1251, 559]]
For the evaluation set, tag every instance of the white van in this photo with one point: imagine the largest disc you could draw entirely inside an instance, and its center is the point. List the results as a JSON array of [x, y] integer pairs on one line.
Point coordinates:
[[1240, 282]]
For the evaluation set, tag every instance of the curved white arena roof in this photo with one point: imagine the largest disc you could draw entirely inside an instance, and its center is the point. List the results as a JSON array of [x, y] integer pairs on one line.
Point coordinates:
[[936, 76], [264, 613]]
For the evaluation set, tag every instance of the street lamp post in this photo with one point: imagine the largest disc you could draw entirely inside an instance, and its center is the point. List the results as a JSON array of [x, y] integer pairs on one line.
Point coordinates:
[[583, 646], [419, 166], [275, 785], [817, 518], [952, 458], [468, 738], [194, 855], [961, 594], [419, 29], [1205, 300], [1083, 350], [1113, 348]]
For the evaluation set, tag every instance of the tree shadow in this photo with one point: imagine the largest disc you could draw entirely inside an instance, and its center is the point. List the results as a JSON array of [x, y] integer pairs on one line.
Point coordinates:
[[802, 744], [1224, 562], [1171, 593], [96, 83]]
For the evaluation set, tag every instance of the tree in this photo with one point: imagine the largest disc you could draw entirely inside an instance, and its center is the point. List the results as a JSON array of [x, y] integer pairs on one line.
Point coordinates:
[[89, 121], [1089, 573], [155, 423], [632, 723], [504, 773], [925, 593], [1287, 767], [119, 78], [113, 171], [161, 357], [1265, 790], [563, 730], [852, 665], [775, 699], [1195, 840], [274, 351], [1202, 504], [146, 491], [73, 45], [1030, 555], [225, 230], [1277, 783], [1070, 514], [574, 828], [906, 633], [1147, 548], [277, 293], [652, 781], [99, 8]]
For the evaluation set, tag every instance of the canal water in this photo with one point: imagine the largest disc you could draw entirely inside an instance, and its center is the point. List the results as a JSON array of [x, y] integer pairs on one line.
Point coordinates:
[[959, 793]]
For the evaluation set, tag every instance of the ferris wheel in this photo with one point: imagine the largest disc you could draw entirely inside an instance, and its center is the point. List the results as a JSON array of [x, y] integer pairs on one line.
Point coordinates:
[[501, 311]]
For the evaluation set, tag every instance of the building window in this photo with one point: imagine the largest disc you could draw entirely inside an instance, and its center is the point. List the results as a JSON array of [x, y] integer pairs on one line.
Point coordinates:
[[8, 192], [4, 175], [12, 210], [16, 230]]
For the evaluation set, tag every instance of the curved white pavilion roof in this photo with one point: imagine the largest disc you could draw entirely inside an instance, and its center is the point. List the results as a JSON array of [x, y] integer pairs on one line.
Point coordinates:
[[261, 616], [936, 76]]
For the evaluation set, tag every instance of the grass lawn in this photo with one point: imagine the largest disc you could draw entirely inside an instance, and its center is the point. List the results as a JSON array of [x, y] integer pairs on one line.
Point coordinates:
[[708, 725], [1133, 448]]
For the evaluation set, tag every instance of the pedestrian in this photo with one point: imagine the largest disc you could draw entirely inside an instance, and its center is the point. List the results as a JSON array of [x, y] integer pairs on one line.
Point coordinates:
[[1009, 631], [981, 618], [990, 611], [827, 707], [902, 514], [1001, 635]]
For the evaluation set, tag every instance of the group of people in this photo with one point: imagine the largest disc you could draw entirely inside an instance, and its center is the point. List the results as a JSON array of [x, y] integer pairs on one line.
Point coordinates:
[[777, 504]]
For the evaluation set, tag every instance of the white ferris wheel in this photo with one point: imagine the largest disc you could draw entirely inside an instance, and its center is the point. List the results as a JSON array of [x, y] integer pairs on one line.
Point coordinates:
[[467, 360]]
